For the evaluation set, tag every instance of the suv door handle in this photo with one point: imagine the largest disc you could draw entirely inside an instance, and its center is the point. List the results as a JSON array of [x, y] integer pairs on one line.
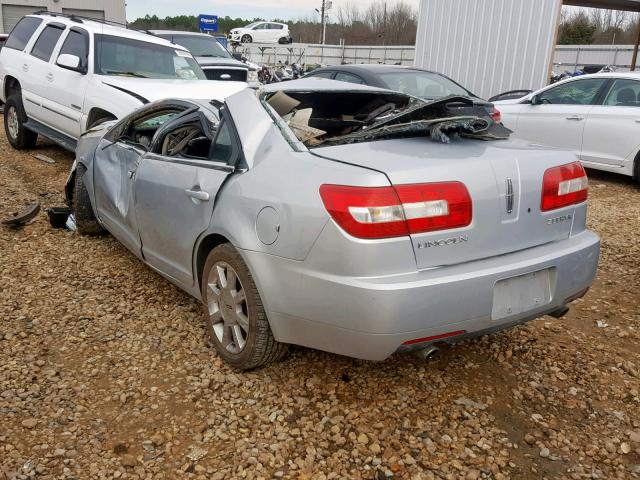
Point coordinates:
[[50, 77], [25, 68], [575, 118], [198, 195]]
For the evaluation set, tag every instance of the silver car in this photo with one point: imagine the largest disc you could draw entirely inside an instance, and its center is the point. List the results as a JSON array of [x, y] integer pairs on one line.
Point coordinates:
[[340, 217]]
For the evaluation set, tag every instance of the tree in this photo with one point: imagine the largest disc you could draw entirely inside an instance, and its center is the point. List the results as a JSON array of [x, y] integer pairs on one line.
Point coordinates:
[[577, 30]]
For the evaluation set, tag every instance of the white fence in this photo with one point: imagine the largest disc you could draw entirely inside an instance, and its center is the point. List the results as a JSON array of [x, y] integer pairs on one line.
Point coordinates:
[[326, 54], [570, 57]]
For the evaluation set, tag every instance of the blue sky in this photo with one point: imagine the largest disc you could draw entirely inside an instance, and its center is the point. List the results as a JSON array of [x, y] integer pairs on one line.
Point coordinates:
[[286, 9]]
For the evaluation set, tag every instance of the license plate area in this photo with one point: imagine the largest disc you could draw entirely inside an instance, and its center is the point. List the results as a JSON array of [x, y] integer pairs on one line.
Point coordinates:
[[516, 295]]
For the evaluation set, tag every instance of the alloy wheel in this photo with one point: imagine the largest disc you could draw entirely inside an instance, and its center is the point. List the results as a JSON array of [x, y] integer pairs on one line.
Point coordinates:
[[228, 309], [12, 122]]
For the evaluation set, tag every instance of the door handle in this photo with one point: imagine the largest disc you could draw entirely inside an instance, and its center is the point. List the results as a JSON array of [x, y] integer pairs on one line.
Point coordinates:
[[50, 77], [198, 195], [575, 118], [25, 68]]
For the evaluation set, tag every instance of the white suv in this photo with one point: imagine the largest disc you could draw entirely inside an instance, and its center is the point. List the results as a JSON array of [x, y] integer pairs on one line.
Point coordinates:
[[261, 32], [61, 75]]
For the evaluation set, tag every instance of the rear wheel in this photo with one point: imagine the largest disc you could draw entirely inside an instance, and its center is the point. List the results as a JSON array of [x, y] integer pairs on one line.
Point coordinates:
[[236, 319], [246, 39], [85, 219], [15, 117], [283, 41]]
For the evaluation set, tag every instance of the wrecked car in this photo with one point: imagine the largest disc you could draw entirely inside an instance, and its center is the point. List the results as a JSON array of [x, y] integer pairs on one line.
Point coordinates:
[[340, 217]]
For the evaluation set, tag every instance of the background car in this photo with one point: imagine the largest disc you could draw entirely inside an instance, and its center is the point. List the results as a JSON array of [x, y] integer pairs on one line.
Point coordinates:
[[215, 60], [3, 39], [62, 75], [412, 81], [262, 32], [595, 116], [270, 204]]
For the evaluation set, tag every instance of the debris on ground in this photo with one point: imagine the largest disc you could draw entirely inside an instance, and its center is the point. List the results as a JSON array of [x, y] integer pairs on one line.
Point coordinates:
[[44, 158], [20, 219]]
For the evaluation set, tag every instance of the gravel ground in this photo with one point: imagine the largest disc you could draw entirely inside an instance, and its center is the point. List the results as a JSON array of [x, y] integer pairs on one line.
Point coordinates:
[[105, 372]]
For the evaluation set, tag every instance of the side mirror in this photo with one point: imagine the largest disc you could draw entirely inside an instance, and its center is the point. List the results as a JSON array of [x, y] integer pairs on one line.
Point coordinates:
[[70, 62], [536, 100], [237, 56]]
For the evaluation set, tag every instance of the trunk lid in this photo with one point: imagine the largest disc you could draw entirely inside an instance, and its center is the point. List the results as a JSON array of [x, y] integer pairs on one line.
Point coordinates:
[[490, 171]]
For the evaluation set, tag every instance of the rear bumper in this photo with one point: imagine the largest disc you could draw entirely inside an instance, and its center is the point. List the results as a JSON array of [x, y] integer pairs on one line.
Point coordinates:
[[371, 318]]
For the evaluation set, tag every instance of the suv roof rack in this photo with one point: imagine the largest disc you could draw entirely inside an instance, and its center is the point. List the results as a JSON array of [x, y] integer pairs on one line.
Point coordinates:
[[79, 18]]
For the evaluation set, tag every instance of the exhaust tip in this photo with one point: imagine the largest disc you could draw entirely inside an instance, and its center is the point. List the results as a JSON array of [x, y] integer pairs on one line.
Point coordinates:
[[427, 353]]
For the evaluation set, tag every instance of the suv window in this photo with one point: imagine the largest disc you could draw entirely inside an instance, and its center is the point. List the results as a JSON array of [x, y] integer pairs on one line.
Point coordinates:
[[77, 43], [47, 41], [22, 32], [625, 93], [579, 92]]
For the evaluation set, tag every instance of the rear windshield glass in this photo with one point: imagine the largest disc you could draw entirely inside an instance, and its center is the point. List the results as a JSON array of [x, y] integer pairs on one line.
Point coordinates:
[[429, 86], [201, 46], [135, 58], [22, 32]]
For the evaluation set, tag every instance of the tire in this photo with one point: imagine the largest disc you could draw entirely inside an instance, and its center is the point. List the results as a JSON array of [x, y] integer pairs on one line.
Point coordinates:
[[246, 39], [85, 219], [242, 338], [283, 41], [15, 117]]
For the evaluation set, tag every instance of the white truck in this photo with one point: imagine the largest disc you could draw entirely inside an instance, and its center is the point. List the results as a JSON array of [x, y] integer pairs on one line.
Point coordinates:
[[60, 75]]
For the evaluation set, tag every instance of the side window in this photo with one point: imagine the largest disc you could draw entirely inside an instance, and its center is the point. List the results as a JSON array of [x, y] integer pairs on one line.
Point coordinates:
[[347, 77], [322, 74], [77, 43], [21, 33], [579, 92], [262, 26], [624, 93], [222, 147], [43, 48], [276, 26]]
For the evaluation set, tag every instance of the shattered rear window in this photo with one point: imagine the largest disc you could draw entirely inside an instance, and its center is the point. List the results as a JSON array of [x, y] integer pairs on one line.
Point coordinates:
[[325, 118]]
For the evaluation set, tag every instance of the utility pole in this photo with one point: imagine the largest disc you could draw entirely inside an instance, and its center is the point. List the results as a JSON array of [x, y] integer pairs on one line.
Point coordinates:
[[323, 17]]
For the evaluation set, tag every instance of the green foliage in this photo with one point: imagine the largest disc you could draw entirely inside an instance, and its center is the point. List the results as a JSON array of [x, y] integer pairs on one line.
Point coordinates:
[[577, 30]]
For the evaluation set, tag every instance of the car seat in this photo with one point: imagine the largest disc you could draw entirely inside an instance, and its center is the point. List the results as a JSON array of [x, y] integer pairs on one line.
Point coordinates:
[[626, 98]]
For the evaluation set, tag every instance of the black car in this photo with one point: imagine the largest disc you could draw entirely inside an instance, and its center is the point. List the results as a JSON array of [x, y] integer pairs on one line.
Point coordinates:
[[413, 81], [3, 39]]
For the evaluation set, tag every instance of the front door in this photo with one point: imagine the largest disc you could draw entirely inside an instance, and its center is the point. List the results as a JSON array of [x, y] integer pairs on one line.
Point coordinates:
[[176, 189], [113, 177], [559, 117], [67, 88]]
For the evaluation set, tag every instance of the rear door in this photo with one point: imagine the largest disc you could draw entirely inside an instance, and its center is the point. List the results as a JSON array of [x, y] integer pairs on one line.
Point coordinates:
[[559, 118], [612, 131], [176, 189]]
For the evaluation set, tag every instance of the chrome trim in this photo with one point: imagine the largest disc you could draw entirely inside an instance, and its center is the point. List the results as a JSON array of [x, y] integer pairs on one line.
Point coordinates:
[[509, 195]]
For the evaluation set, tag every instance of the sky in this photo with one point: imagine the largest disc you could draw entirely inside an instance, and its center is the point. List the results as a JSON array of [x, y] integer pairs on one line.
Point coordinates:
[[268, 9]]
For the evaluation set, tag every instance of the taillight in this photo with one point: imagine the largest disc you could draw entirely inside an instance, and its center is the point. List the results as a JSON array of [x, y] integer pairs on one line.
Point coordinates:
[[563, 186], [385, 212], [496, 115]]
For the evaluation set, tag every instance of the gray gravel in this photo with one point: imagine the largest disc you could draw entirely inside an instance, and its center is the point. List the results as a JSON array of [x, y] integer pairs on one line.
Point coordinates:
[[105, 372]]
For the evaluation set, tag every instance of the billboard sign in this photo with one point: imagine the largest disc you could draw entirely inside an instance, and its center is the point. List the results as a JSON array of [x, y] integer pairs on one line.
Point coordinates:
[[208, 23]]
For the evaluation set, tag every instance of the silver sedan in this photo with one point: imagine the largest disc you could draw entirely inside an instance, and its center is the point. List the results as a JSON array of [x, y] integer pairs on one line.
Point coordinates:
[[340, 217]]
